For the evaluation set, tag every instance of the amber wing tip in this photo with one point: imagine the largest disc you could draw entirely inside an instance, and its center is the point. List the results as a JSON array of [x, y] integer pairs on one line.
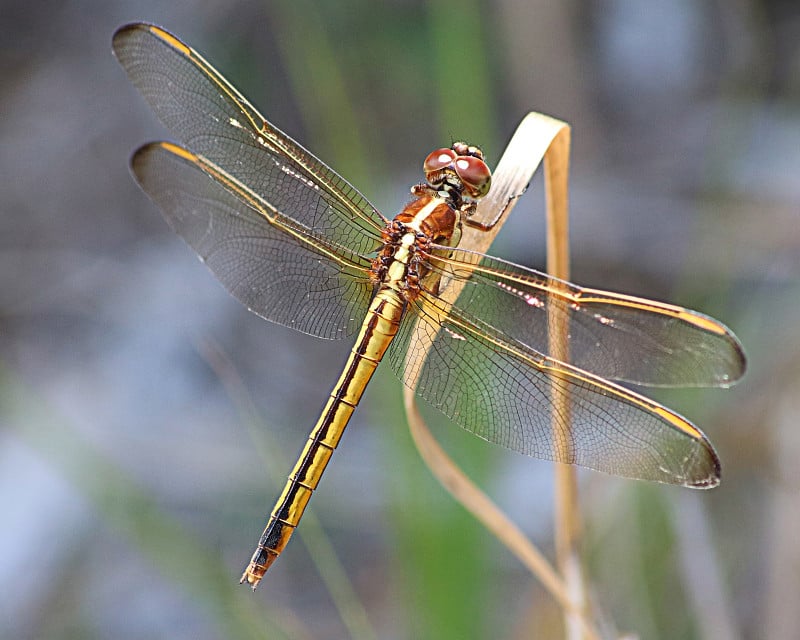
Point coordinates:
[[706, 483], [713, 476]]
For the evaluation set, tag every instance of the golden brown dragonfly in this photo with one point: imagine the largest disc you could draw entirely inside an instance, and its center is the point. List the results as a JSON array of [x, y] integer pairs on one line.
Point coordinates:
[[300, 246]]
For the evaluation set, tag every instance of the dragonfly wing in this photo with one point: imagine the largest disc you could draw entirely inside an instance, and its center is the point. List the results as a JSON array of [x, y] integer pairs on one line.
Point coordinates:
[[610, 335], [281, 273], [216, 122], [508, 394]]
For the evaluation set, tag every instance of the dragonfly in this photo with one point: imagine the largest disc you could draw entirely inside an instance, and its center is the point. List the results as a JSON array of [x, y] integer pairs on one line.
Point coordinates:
[[300, 246]]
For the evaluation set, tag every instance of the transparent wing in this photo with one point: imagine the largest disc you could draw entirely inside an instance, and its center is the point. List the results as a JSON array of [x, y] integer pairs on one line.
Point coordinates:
[[610, 335], [282, 273], [215, 121], [506, 393]]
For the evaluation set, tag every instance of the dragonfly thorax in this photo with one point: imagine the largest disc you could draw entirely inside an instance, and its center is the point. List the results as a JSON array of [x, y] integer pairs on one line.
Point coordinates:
[[411, 238], [455, 179]]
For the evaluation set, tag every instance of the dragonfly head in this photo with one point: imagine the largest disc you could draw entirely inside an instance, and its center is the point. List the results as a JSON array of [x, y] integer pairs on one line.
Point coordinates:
[[460, 172]]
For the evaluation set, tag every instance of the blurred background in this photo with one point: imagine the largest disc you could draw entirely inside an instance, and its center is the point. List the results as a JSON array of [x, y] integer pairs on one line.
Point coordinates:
[[147, 421]]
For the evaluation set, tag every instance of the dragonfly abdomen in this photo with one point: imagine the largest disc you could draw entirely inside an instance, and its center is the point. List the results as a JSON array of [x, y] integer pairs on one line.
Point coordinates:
[[377, 331]]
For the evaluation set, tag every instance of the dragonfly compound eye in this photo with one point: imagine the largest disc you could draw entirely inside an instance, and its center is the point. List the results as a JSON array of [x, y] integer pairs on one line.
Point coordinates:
[[474, 174], [438, 160]]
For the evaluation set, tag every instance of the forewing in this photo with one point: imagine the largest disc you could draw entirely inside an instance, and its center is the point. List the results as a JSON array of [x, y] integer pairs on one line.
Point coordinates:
[[611, 335], [215, 121]]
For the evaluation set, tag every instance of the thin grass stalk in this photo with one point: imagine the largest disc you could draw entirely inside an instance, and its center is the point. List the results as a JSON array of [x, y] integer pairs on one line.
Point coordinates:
[[567, 522], [537, 137]]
